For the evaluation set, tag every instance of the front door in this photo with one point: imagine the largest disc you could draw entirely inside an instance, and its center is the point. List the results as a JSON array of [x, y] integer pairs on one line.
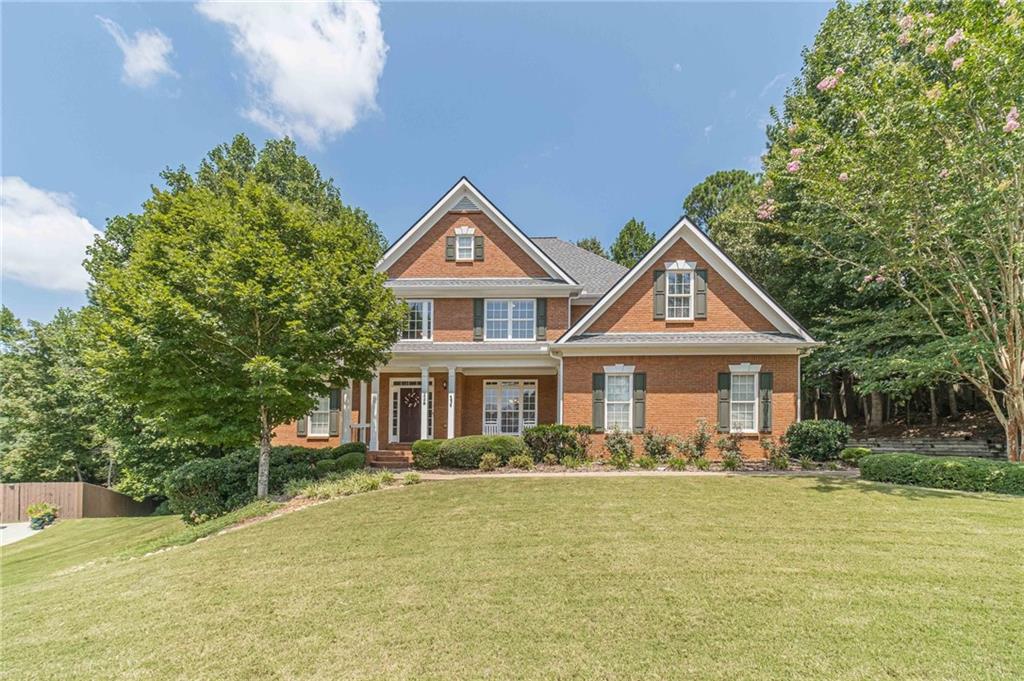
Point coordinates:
[[409, 405]]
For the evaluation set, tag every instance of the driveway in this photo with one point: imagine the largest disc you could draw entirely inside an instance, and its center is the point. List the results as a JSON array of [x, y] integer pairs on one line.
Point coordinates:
[[12, 532]]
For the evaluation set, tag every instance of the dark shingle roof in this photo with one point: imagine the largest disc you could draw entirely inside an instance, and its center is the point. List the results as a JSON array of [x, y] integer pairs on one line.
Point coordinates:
[[594, 273]]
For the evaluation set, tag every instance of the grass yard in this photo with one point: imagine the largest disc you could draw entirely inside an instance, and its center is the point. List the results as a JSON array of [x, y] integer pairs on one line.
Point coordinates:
[[681, 577]]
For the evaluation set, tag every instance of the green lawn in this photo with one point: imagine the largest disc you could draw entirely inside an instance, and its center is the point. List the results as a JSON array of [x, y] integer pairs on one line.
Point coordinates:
[[682, 577]]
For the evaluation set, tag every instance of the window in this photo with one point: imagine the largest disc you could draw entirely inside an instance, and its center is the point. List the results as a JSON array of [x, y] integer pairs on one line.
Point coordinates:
[[743, 403], [419, 320], [510, 319], [320, 418], [679, 297], [464, 247], [618, 402], [509, 407]]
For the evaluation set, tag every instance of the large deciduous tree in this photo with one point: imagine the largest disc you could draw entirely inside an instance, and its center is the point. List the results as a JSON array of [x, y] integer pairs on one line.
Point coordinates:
[[900, 155], [632, 243], [715, 194], [238, 295]]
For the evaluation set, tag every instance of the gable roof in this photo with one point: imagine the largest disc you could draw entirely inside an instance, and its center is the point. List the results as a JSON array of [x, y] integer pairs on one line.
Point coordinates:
[[717, 260], [595, 273], [461, 197]]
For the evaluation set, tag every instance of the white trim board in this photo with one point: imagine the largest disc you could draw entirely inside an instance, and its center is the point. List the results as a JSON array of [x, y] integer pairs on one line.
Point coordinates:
[[716, 260], [461, 190]]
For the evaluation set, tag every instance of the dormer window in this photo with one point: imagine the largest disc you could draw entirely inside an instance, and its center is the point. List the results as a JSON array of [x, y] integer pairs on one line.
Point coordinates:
[[679, 296], [464, 247]]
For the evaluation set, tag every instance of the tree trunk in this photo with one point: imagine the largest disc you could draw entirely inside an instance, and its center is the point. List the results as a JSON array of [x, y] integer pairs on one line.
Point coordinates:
[[817, 400], [935, 406], [849, 398], [954, 410], [866, 412], [263, 473], [836, 405], [876, 416]]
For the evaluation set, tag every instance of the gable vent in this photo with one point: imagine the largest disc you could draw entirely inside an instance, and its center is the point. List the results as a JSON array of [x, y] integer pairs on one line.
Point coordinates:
[[465, 204]]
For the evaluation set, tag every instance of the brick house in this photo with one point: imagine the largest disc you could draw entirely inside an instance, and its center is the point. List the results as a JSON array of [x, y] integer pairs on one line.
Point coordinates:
[[506, 331]]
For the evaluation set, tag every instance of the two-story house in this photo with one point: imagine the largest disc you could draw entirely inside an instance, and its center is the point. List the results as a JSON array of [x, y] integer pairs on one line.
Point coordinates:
[[505, 331]]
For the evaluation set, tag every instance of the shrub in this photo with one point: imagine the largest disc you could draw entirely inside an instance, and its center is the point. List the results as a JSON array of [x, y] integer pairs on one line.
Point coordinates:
[[806, 462], [411, 478], [819, 440], [558, 440], [347, 484], [348, 448], [776, 452], [700, 441], [853, 455], [959, 473], [41, 514], [619, 461], [426, 453], [656, 445], [550, 459], [351, 461], [729, 447], [702, 463], [524, 461], [677, 463], [731, 461], [325, 466], [646, 462], [489, 461], [465, 452], [619, 444], [573, 462]]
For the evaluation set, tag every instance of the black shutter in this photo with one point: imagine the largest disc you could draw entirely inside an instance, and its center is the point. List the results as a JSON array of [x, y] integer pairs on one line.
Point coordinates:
[[700, 297], [542, 318], [478, 248], [639, 401], [659, 294], [597, 419], [724, 385], [449, 248], [766, 402], [478, 319], [333, 416]]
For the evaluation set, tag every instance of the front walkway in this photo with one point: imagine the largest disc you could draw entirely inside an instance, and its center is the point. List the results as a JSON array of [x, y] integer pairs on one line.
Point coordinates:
[[12, 532]]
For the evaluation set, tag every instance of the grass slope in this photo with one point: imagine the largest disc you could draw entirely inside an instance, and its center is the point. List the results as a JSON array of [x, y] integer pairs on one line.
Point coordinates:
[[710, 578]]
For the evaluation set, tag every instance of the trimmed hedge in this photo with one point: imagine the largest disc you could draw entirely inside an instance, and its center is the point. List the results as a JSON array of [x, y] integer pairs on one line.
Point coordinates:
[[561, 440], [205, 488], [817, 440], [465, 452], [959, 473], [853, 455]]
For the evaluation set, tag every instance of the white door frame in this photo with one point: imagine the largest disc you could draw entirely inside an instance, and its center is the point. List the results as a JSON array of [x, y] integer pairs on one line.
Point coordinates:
[[395, 419]]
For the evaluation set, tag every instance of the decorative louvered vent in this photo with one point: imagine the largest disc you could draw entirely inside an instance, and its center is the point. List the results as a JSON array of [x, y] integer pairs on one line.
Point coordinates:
[[465, 204]]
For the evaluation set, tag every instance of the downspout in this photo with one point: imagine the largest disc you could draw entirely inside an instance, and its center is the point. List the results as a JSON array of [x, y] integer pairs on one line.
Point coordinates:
[[561, 386]]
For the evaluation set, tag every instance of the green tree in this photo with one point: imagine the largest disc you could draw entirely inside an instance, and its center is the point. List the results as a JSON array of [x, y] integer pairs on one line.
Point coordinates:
[[716, 193], [899, 156], [632, 243], [592, 244], [237, 296], [47, 404]]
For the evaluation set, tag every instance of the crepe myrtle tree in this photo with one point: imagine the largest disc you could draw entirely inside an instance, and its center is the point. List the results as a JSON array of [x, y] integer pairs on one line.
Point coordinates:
[[237, 296], [900, 155]]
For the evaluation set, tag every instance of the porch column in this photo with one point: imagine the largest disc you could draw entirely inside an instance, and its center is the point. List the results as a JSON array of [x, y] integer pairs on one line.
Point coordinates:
[[346, 413], [362, 411], [374, 409], [424, 401], [451, 402]]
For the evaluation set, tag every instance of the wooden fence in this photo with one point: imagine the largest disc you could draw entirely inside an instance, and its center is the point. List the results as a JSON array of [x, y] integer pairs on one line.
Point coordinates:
[[986, 449], [74, 499]]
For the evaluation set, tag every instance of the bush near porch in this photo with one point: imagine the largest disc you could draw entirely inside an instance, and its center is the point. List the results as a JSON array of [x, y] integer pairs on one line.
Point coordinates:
[[465, 452], [206, 488], [559, 440]]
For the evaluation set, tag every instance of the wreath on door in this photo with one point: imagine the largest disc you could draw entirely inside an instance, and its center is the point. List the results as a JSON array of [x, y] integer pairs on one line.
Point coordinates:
[[412, 400]]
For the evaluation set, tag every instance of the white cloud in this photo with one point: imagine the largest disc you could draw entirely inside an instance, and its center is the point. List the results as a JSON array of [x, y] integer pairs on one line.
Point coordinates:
[[707, 130], [313, 66], [43, 238], [146, 54], [772, 83], [677, 67]]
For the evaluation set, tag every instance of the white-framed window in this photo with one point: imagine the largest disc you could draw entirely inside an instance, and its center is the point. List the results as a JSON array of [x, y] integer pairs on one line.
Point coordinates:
[[320, 418], [514, 319], [419, 320], [510, 406], [743, 403], [618, 402], [679, 295], [464, 247]]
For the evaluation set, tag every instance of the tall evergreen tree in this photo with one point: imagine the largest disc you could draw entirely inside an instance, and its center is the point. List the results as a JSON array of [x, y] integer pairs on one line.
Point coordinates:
[[592, 244], [632, 243]]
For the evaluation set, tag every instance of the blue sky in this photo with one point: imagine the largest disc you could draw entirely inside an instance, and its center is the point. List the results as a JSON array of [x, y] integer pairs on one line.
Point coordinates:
[[572, 117]]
